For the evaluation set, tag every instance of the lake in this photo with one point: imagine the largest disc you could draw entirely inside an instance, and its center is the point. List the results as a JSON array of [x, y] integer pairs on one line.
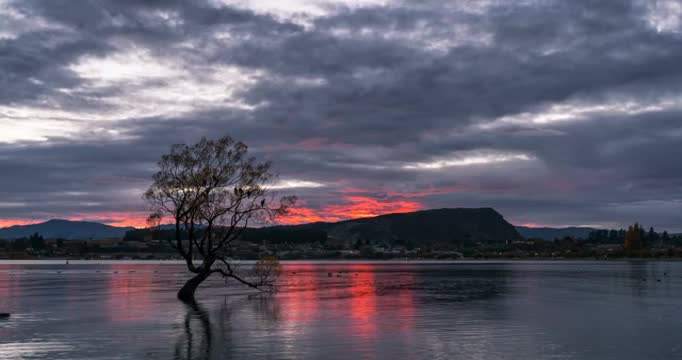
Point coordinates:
[[459, 310]]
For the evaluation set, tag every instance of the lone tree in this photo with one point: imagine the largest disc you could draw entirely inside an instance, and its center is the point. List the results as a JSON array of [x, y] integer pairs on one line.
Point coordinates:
[[213, 191]]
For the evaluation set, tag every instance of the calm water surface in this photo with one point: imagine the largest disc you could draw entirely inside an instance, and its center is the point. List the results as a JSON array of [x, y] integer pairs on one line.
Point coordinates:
[[488, 310]]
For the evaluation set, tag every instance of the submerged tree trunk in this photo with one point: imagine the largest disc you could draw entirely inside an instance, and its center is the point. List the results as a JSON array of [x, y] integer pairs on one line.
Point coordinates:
[[186, 293]]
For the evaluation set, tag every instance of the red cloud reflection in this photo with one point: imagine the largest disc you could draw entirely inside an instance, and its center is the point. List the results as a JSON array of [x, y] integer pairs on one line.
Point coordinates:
[[302, 303], [130, 294], [364, 301], [359, 299]]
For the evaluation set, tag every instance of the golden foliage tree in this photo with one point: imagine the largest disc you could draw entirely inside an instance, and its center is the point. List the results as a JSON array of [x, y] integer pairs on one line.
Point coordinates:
[[633, 238]]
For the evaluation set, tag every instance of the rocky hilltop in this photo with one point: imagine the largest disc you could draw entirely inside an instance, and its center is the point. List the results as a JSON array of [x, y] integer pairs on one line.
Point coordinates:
[[458, 225]]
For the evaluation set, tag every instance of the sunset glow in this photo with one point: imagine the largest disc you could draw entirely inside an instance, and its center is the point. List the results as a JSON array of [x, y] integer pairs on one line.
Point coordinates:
[[121, 219], [12, 222], [353, 207], [340, 179], [350, 207]]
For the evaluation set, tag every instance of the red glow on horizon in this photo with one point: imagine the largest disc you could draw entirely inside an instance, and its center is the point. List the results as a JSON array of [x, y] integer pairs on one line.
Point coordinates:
[[355, 207], [120, 219], [364, 206], [12, 222], [302, 215], [354, 203]]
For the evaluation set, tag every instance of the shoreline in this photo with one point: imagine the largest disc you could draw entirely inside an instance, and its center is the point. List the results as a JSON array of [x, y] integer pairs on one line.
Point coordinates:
[[328, 261]]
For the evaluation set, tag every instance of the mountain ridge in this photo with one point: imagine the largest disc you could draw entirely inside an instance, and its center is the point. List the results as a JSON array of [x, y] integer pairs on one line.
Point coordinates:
[[445, 225], [65, 229]]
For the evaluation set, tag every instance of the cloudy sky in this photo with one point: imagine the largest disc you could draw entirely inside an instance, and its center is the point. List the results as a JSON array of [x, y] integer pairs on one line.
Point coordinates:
[[552, 112]]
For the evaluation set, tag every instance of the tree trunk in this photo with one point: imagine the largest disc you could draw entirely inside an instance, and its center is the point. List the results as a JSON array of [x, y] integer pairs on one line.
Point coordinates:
[[186, 293]]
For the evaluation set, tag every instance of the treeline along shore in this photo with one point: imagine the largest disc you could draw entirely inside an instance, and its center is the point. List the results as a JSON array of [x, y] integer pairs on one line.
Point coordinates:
[[431, 234]]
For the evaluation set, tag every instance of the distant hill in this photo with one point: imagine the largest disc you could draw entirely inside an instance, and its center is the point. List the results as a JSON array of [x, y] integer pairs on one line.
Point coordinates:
[[65, 229], [548, 233], [420, 227]]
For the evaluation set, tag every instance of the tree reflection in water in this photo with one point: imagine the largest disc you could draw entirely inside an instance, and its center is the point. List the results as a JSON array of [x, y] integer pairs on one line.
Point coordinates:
[[198, 335], [207, 334]]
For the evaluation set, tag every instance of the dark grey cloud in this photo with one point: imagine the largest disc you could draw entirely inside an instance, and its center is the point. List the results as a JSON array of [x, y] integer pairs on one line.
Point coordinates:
[[553, 112]]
